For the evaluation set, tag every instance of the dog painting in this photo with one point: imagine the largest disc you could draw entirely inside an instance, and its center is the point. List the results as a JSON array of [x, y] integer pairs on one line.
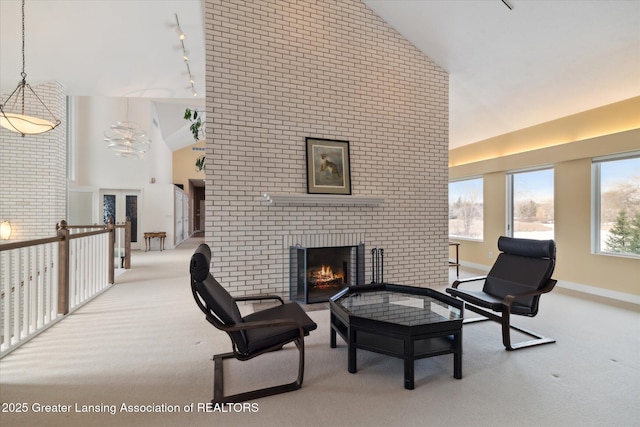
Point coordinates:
[[328, 167]]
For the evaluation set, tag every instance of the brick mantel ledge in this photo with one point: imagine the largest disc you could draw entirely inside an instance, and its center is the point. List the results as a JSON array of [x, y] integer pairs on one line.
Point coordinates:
[[319, 199]]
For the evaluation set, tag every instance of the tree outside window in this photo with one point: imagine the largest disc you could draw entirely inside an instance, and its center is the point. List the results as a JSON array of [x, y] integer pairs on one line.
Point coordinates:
[[618, 190], [532, 205], [466, 209]]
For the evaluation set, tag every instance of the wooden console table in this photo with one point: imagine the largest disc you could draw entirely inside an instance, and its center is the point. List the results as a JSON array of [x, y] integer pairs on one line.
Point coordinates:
[[455, 263], [150, 235]]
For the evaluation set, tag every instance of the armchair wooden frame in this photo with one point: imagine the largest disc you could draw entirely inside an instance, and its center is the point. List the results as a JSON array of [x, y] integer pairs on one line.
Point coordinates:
[[260, 332], [218, 382], [521, 273], [505, 318]]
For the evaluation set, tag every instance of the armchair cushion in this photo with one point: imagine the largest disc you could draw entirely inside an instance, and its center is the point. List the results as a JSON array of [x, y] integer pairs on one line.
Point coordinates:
[[219, 303], [216, 299], [524, 265], [485, 300], [514, 274], [260, 338], [527, 247]]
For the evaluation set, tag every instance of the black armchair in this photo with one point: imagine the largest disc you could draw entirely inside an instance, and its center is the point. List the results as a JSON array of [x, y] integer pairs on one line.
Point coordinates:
[[521, 273], [252, 335]]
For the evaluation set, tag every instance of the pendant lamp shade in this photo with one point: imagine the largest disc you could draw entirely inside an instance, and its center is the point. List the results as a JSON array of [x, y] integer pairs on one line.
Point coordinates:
[[13, 111]]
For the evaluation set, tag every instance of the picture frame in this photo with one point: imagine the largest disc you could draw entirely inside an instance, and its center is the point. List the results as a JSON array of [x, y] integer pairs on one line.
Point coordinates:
[[328, 166]]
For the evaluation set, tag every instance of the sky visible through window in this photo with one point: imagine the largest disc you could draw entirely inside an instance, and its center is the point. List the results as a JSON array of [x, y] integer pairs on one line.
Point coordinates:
[[537, 185], [460, 189], [614, 173]]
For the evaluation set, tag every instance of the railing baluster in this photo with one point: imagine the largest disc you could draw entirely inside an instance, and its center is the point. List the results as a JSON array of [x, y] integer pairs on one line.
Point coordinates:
[[89, 272], [25, 295], [55, 286], [45, 284], [40, 291], [80, 275], [33, 290], [6, 261], [17, 303]]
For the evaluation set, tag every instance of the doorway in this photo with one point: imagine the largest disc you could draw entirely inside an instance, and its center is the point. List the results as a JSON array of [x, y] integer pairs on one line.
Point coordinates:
[[120, 204], [197, 211]]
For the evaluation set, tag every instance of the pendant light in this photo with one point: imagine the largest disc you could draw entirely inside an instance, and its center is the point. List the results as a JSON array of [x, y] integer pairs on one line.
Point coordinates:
[[126, 139], [13, 111]]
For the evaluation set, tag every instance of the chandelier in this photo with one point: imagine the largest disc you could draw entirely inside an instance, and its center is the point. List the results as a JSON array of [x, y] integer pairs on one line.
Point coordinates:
[[126, 139], [13, 111]]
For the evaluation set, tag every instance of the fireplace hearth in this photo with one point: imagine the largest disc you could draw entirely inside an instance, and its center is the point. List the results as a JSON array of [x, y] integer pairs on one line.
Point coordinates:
[[316, 274]]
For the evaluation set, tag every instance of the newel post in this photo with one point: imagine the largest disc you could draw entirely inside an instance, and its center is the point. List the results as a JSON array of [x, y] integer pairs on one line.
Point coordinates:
[[112, 233], [63, 267], [127, 244]]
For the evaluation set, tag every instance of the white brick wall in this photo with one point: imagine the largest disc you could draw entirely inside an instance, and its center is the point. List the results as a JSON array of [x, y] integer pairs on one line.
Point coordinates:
[[33, 183], [279, 71]]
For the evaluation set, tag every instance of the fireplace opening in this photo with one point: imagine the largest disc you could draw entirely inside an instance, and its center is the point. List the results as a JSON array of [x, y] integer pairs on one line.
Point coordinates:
[[319, 273]]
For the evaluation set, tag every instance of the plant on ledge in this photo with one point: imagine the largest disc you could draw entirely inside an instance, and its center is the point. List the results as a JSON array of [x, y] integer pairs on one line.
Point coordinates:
[[200, 163], [197, 129]]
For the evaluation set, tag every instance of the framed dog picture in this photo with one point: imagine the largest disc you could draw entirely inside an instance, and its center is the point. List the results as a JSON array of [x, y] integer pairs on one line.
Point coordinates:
[[328, 169]]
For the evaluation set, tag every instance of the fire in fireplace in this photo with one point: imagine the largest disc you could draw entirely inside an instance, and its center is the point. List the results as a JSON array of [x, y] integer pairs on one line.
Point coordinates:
[[319, 273]]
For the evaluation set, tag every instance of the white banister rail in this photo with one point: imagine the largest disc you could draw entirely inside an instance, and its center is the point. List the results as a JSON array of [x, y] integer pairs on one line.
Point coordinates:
[[88, 268], [122, 246], [43, 280], [28, 292]]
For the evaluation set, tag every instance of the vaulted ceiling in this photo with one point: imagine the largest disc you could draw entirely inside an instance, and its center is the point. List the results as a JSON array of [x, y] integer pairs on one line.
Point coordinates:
[[510, 67]]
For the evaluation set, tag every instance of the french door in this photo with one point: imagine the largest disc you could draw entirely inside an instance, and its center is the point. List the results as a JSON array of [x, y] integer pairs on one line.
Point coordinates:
[[120, 204]]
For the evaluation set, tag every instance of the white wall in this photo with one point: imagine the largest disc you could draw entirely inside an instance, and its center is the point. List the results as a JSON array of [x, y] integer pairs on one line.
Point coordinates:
[[158, 208], [96, 167]]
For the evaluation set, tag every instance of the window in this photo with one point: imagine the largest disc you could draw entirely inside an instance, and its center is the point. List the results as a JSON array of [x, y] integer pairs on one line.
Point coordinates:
[[617, 205], [530, 204], [466, 209]]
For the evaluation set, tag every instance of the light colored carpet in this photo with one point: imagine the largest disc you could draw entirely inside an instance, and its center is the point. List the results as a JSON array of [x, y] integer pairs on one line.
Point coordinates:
[[145, 342]]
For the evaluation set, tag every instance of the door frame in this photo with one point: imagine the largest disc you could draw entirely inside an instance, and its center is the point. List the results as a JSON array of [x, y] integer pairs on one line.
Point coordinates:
[[121, 195]]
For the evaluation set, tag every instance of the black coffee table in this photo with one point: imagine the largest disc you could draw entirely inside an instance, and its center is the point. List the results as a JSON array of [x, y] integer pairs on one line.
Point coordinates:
[[406, 322]]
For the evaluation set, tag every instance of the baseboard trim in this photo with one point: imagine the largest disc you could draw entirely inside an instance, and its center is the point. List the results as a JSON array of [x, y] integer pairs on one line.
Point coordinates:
[[473, 266], [600, 292]]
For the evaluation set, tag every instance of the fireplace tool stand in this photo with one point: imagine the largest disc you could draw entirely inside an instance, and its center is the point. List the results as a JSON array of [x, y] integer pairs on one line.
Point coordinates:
[[377, 266]]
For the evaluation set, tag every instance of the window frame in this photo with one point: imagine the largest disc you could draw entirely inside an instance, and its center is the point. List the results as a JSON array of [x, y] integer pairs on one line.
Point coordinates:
[[469, 178], [509, 199], [596, 202]]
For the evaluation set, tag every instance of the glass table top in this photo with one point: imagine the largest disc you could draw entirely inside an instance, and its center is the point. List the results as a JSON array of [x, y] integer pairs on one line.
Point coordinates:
[[399, 308]]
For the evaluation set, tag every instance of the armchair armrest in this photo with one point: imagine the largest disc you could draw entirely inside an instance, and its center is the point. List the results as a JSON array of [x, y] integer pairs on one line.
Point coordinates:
[[456, 283], [259, 298], [509, 299]]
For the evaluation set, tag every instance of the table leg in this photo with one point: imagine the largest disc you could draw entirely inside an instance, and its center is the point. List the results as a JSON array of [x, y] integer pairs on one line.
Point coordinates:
[[408, 364], [457, 355], [457, 262], [332, 336], [351, 358]]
